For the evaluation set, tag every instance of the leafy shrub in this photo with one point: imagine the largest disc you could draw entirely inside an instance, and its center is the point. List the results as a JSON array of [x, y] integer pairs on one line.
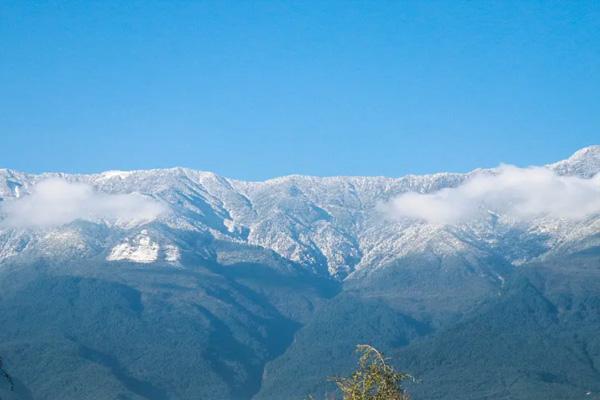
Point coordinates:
[[374, 379]]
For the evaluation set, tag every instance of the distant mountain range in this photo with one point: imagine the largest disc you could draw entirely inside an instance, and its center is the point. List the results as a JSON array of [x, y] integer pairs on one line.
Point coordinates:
[[181, 284]]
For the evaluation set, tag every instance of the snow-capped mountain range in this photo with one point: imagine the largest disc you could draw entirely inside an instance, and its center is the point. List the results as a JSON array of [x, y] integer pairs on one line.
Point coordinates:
[[331, 226]]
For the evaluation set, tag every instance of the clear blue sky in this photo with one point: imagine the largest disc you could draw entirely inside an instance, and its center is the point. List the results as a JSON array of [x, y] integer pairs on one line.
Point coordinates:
[[256, 89]]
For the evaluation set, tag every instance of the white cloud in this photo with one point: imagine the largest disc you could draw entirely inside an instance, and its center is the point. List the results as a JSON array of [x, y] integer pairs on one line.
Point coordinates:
[[55, 202], [521, 193]]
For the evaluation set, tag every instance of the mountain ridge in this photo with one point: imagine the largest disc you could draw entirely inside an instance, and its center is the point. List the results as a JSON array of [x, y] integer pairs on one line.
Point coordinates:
[[330, 224]]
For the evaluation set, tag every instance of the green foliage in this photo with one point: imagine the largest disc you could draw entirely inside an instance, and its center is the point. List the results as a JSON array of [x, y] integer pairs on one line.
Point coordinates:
[[374, 379]]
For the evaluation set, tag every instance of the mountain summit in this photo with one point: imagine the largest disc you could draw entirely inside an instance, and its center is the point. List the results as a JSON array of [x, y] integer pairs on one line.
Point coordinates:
[[330, 226]]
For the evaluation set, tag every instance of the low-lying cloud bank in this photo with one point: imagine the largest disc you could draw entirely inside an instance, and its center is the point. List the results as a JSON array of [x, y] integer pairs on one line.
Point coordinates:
[[55, 202], [522, 193]]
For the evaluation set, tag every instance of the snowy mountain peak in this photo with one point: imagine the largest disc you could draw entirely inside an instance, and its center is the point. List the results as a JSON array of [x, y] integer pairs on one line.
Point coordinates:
[[587, 152], [328, 225], [584, 162]]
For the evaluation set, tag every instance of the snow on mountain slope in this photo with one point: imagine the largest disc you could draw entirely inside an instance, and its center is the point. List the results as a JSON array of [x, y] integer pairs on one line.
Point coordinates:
[[584, 163], [327, 225], [140, 249]]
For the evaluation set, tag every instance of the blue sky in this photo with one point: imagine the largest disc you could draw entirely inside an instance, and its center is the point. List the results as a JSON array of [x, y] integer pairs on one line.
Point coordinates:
[[255, 89]]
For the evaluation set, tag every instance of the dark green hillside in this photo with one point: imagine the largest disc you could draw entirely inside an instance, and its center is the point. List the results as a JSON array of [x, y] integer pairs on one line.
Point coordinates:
[[260, 330], [535, 338], [134, 332], [325, 346]]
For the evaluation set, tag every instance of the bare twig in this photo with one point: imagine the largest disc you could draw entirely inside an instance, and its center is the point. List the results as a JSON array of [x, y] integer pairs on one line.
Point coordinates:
[[6, 376]]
